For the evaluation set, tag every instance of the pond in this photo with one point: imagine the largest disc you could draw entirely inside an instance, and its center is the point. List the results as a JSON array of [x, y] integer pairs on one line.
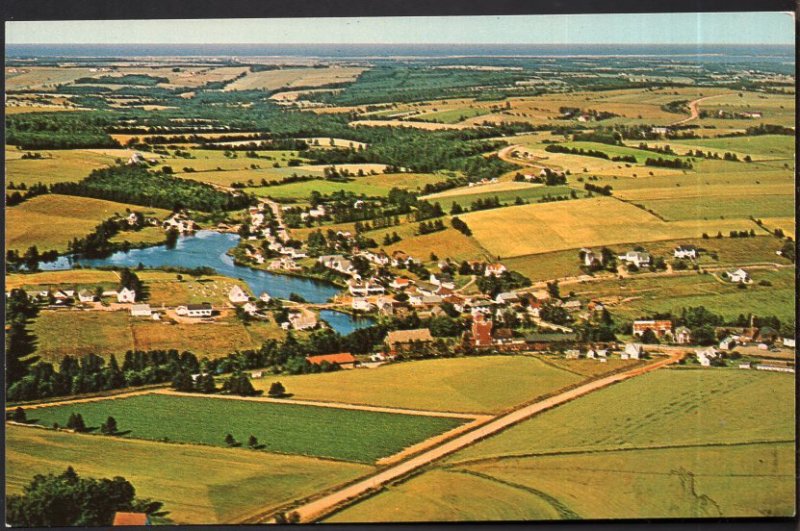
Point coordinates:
[[209, 249]]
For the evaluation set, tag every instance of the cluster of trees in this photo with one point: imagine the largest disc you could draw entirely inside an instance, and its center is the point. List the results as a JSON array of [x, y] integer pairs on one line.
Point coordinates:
[[127, 79], [677, 107], [136, 185], [461, 226], [601, 135], [558, 148], [667, 163], [59, 130], [30, 258], [429, 227], [602, 190], [485, 204], [16, 197], [19, 343], [506, 281], [67, 499]]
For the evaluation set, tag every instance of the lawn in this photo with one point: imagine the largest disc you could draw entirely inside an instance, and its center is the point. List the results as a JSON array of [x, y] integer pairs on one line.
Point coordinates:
[[350, 435], [540, 228], [673, 443], [56, 166], [169, 291], [50, 221], [547, 266], [198, 484], [61, 333], [485, 384]]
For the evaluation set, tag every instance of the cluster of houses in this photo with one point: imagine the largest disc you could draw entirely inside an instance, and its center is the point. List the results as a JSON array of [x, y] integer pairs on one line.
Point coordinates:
[[543, 173], [180, 222], [258, 229], [65, 297], [640, 259]]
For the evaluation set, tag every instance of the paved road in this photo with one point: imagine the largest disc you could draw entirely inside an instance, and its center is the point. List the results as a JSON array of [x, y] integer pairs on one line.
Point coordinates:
[[316, 509]]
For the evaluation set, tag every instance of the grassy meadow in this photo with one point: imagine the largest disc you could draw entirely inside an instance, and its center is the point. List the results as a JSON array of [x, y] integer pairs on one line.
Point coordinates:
[[55, 166], [50, 221], [350, 435]]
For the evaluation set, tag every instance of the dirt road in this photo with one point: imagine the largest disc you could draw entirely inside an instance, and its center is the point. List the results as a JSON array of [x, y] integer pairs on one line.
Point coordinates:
[[316, 509], [694, 109]]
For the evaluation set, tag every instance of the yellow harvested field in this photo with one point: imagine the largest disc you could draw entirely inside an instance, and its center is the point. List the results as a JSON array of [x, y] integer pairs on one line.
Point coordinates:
[[539, 228], [702, 192], [578, 164], [50, 221], [787, 224], [324, 141], [25, 108], [295, 77], [429, 126], [483, 189]]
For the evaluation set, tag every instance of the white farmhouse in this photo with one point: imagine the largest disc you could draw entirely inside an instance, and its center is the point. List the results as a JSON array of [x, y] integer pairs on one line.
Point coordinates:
[[126, 295], [236, 295]]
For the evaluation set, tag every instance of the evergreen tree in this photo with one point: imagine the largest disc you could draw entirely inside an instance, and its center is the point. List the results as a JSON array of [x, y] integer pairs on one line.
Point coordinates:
[[277, 390], [109, 427]]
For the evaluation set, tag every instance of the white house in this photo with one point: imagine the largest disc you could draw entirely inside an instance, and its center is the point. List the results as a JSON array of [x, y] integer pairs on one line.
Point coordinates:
[[788, 342], [589, 257], [740, 276], [264, 297], [237, 295], [126, 295], [633, 351], [364, 289], [636, 258], [506, 297], [338, 263], [250, 308], [85, 295], [141, 310], [704, 356], [685, 251], [302, 320], [495, 269], [361, 304], [727, 343]]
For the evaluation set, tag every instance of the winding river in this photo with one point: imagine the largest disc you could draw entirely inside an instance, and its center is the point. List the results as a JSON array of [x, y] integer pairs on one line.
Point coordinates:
[[209, 249]]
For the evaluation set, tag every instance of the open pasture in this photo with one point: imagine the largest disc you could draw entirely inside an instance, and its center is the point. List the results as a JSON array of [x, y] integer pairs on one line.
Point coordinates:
[[344, 434], [724, 203], [198, 484], [295, 77], [429, 126], [539, 228], [529, 193], [63, 332], [43, 77], [50, 221], [483, 189], [370, 185], [56, 166], [445, 243], [634, 297], [484, 384], [761, 147]]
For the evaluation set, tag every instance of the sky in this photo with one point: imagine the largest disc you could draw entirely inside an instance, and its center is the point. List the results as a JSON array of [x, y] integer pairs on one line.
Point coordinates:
[[651, 28]]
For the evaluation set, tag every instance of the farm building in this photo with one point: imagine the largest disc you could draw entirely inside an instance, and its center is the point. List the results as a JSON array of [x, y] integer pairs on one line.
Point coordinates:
[[195, 310], [237, 295], [400, 341], [685, 251], [639, 259], [400, 283], [659, 327], [126, 295], [302, 320], [549, 341], [740, 276], [727, 343], [706, 355], [141, 310], [345, 360]]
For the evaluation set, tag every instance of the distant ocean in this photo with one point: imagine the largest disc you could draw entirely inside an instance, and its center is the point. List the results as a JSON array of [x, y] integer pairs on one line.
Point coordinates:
[[702, 53]]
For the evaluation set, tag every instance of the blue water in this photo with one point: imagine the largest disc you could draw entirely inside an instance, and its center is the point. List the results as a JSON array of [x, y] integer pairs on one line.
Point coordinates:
[[345, 323], [209, 249]]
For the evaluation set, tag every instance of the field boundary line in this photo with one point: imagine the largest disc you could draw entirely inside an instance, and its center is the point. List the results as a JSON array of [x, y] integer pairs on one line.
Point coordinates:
[[332, 405]]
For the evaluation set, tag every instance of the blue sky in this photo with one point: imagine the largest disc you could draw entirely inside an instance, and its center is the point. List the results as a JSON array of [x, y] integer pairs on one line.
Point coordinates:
[[668, 28]]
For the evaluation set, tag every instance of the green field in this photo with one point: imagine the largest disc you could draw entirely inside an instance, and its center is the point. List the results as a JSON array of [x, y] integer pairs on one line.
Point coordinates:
[[485, 384], [371, 185], [360, 436], [531, 194], [50, 221], [452, 116], [674, 443], [198, 484]]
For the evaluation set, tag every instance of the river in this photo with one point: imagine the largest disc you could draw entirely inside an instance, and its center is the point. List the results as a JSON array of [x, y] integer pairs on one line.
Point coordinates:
[[209, 249]]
